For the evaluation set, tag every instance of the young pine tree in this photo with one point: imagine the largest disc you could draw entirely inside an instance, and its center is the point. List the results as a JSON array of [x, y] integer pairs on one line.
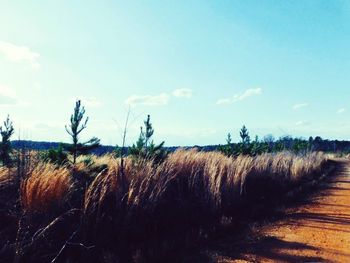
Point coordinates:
[[245, 140], [229, 139], [228, 148], [145, 148], [258, 147], [56, 156], [6, 132], [279, 146], [77, 125], [244, 135]]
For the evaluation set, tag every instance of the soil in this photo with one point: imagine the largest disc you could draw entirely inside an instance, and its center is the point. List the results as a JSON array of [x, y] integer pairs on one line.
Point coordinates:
[[318, 231]]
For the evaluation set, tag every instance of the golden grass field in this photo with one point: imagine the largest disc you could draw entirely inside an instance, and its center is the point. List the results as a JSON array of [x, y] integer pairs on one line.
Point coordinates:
[[143, 211]]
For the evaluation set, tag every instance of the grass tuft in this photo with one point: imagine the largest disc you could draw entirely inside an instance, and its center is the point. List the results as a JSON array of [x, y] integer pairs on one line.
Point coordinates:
[[46, 188]]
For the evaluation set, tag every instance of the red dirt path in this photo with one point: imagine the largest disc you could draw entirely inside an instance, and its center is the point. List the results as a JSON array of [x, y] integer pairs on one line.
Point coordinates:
[[316, 232]]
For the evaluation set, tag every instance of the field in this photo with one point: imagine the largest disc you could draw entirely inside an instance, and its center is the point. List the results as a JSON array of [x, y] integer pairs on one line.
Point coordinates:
[[101, 211], [174, 131]]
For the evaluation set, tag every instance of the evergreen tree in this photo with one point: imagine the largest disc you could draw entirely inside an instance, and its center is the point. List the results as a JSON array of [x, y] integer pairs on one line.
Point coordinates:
[[279, 146], [228, 148], [6, 132], [77, 125], [57, 156], [145, 148], [269, 142], [245, 140], [300, 146], [317, 143], [244, 135], [117, 152], [256, 147], [229, 139], [311, 144]]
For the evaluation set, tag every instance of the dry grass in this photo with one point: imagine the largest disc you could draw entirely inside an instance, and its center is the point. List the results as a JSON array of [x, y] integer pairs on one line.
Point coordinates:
[[176, 201], [193, 184], [45, 188], [157, 210], [203, 176], [6, 175], [107, 159]]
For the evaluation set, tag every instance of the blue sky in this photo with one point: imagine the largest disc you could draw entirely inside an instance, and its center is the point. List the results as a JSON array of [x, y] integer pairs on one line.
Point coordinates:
[[200, 68]]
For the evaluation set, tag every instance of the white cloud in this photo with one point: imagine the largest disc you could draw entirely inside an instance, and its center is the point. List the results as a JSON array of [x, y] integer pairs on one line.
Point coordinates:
[[224, 101], [87, 101], [148, 100], [340, 111], [7, 96], [300, 105], [250, 92], [239, 97], [157, 100], [16, 53], [186, 93]]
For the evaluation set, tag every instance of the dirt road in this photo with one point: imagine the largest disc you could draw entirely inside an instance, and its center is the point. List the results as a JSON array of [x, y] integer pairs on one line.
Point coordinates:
[[318, 231]]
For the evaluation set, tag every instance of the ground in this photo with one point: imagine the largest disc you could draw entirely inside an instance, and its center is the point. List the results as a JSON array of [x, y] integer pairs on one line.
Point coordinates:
[[318, 231]]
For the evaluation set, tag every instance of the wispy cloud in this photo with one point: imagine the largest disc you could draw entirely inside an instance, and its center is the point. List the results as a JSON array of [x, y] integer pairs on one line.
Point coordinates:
[[239, 97], [340, 111], [148, 100], [7, 96], [186, 93], [16, 53], [158, 100], [300, 105], [224, 101]]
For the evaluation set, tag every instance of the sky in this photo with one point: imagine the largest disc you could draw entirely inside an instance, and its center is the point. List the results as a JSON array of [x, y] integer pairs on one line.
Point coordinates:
[[201, 69]]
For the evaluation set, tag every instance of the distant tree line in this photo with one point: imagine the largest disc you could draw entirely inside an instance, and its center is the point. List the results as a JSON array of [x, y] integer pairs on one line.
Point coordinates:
[[44, 146], [269, 144], [145, 147]]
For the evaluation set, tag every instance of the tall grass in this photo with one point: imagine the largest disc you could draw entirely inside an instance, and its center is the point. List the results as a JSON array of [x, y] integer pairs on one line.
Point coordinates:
[[157, 208], [6, 175], [46, 188]]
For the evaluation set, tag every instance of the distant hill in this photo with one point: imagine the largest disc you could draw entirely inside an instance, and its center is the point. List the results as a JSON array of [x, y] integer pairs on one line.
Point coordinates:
[[43, 146], [318, 144], [103, 149]]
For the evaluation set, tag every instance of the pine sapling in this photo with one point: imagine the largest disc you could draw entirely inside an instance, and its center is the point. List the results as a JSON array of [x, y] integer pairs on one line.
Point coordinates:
[[77, 125], [6, 132]]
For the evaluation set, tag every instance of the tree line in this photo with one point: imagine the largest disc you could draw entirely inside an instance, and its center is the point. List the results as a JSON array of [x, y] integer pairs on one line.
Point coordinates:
[[146, 148], [269, 144]]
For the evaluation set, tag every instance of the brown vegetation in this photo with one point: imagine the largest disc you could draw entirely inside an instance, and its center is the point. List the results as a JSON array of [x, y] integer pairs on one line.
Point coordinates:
[[159, 208], [6, 175], [45, 188], [155, 210]]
